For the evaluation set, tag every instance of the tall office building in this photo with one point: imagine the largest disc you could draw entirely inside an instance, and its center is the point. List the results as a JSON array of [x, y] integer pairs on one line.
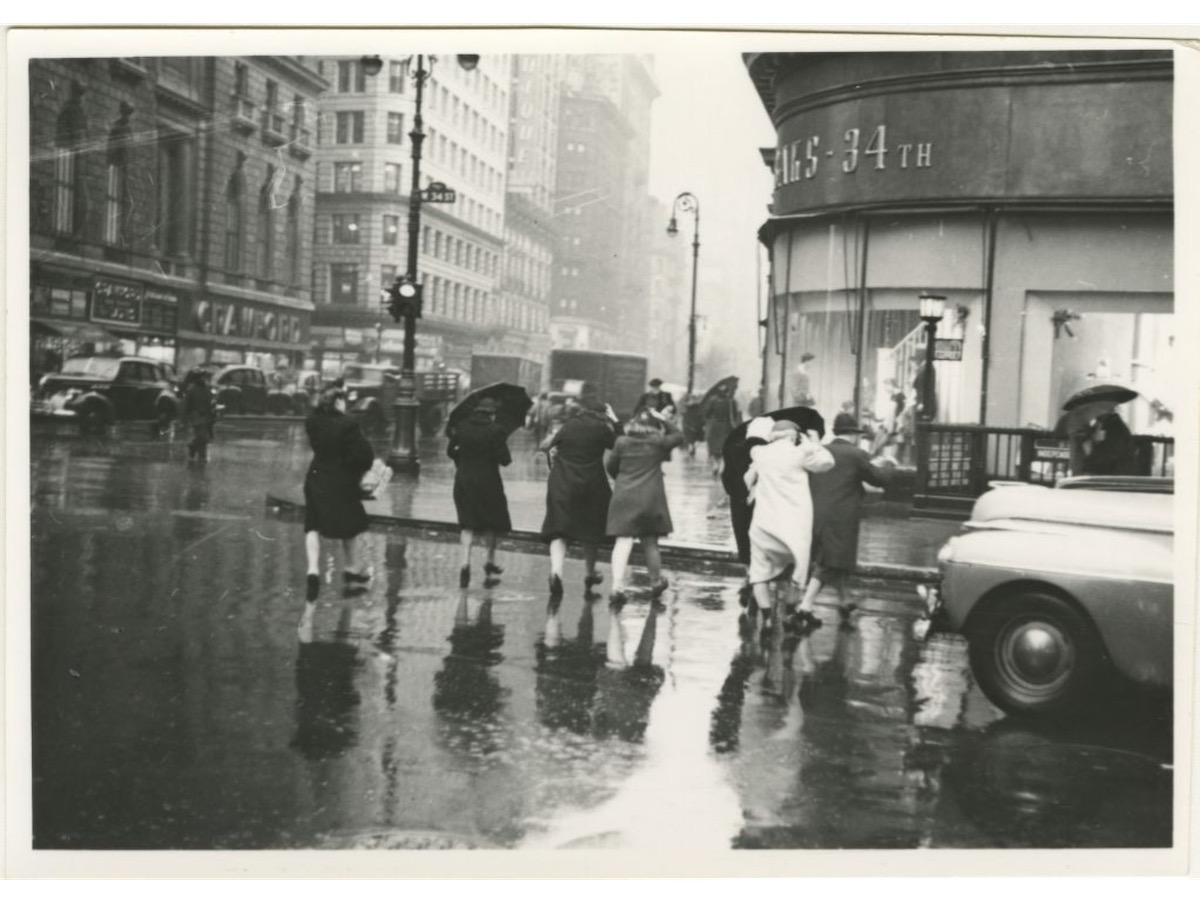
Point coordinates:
[[364, 175]]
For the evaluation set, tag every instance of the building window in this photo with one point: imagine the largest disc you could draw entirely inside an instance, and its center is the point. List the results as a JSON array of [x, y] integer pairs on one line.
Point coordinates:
[[241, 80], [349, 128], [391, 230], [343, 284], [292, 248], [235, 217], [70, 132], [266, 227], [117, 201], [391, 178], [396, 77], [425, 239], [345, 228], [347, 178], [351, 78], [395, 128]]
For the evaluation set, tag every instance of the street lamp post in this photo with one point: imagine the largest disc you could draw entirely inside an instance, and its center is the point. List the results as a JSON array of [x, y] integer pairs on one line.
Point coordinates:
[[931, 307], [686, 202], [402, 457]]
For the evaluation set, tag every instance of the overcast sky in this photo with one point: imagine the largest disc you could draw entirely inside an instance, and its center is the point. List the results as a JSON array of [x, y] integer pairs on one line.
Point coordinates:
[[708, 125]]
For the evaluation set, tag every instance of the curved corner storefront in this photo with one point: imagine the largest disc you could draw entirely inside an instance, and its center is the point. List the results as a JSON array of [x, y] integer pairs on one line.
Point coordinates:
[[1034, 191]]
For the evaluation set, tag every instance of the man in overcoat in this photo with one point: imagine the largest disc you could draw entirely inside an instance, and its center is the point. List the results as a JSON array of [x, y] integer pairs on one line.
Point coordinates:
[[837, 497]]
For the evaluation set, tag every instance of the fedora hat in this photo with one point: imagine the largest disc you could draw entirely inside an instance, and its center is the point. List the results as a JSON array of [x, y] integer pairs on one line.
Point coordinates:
[[845, 423]]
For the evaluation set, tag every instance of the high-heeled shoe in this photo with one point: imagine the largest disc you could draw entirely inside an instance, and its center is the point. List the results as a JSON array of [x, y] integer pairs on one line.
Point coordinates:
[[616, 600], [312, 587], [592, 579], [492, 569], [659, 587], [349, 577], [556, 586]]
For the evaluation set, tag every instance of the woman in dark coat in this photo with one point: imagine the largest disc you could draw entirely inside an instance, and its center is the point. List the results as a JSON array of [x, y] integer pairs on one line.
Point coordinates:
[[333, 505], [479, 448], [198, 413], [721, 415], [577, 493], [639, 502]]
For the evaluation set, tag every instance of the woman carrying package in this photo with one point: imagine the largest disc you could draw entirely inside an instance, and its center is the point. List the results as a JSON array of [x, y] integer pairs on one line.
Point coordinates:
[[782, 525], [639, 502]]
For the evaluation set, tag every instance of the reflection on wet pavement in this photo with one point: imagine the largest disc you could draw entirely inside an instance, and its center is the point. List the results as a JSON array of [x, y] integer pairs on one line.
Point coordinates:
[[174, 707]]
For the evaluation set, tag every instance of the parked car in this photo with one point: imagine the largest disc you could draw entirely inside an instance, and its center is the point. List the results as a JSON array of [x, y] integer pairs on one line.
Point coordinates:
[[305, 391], [1058, 588], [239, 389], [97, 390]]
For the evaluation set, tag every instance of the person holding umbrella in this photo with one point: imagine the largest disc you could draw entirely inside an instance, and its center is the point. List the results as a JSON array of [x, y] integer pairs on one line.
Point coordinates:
[[721, 416], [577, 492], [638, 509], [479, 448], [1101, 443], [199, 413]]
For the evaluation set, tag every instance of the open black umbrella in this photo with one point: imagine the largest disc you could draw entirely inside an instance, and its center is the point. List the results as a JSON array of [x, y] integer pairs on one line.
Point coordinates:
[[730, 382], [512, 403], [1107, 392]]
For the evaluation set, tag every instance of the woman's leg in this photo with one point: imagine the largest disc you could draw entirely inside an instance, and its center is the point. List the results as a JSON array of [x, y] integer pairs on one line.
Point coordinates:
[[466, 539], [591, 577], [762, 596], [653, 563], [312, 583], [622, 548], [558, 556], [349, 555], [490, 540]]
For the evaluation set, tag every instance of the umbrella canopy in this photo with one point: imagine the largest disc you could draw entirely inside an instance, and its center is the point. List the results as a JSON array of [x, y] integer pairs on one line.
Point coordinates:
[[1107, 392], [512, 403], [737, 455], [731, 382]]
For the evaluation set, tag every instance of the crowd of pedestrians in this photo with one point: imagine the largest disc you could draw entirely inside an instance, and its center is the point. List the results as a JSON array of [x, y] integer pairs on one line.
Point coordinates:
[[794, 500]]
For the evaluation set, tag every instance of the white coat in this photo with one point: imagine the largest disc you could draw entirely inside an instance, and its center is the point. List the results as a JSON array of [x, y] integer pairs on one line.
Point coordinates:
[[781, 528]]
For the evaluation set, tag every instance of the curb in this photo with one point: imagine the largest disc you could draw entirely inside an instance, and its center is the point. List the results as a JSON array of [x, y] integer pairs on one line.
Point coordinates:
[[686, 556]]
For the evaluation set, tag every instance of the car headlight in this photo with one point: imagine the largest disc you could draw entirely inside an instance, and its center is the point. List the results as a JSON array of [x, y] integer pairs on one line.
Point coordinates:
[[353, 396]]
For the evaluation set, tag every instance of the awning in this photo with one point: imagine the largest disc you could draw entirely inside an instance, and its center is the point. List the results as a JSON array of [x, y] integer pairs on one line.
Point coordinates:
[[71, 330]]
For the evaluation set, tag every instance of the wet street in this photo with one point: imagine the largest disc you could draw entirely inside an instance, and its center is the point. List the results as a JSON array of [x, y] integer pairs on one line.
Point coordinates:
[[174, 706]]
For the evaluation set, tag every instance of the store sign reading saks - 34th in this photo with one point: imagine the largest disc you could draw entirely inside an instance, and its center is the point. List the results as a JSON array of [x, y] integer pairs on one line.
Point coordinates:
[[805, 158], [245, 321]]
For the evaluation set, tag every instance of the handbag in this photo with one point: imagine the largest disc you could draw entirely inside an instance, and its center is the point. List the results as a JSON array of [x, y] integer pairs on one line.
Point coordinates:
[[378, 476]]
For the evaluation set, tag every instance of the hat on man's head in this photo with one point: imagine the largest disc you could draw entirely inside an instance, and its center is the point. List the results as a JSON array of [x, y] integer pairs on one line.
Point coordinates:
[[487, 405], [844, 424], [655, 383]]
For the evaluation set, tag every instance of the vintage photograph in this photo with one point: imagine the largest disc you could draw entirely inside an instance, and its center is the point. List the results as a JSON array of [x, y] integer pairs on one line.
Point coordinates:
[[644, 443]]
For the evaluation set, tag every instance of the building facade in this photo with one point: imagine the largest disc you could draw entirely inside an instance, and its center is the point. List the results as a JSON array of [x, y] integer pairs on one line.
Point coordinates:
[[364, 184], [171, 208], [1033, 190]]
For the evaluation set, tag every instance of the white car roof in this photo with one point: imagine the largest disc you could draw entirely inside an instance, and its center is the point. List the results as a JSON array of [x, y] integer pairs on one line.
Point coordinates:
[[1143, 511]]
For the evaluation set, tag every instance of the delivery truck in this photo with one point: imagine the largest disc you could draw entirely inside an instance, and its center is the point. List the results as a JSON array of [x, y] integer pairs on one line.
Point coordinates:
[[614, 378], [489, 368]]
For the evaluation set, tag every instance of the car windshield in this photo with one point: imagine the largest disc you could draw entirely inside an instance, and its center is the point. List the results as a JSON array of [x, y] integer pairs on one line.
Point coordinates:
[[362, 375], [100, 367]]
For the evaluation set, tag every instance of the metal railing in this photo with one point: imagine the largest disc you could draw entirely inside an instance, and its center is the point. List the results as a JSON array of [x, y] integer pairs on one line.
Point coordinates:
[[957, 460]]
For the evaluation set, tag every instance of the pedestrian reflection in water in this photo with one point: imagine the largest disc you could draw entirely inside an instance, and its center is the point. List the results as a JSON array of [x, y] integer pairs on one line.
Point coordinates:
[[566, 670], [625, 693], [466, 689], [326, 698]]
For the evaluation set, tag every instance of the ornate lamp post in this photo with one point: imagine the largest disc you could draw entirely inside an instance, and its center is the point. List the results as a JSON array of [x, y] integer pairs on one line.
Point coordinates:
[[405, 294], [931, 307], [686, 202]]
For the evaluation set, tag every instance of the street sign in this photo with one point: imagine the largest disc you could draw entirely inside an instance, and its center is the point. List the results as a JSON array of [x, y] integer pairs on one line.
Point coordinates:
[[947, 349], [438, 193]]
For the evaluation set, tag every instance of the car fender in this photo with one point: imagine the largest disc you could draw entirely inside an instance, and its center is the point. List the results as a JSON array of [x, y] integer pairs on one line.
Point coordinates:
[[1124, 584], [92, 397], [168, 399]]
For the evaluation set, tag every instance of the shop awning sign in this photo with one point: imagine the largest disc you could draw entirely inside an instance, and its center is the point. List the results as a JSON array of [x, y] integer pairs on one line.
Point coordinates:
[[117, 302]]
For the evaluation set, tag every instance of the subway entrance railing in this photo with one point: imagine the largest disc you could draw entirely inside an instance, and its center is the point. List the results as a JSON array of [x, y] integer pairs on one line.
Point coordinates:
[[957, 462]]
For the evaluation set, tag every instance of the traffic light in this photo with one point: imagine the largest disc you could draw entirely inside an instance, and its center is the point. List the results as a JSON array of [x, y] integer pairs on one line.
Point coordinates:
[[404, 299]]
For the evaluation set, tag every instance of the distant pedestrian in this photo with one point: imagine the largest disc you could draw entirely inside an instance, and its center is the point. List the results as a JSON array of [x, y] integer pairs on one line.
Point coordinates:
[[721, 415], [782, 522], [479, 448], [199, 413], [577, 492], [638, 509], [837, 497], [333, 506], [656, 399]]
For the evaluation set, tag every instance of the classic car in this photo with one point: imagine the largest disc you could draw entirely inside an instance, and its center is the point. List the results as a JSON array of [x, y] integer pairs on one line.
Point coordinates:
[[239, 389], [1057, 589], [97, 390], [370, 391]]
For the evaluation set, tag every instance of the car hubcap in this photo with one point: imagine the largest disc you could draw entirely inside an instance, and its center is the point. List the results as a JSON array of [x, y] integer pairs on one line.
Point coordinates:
[[1036, 657]]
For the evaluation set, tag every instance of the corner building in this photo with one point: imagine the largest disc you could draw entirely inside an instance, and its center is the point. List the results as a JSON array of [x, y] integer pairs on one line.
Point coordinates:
[[1034, 190]]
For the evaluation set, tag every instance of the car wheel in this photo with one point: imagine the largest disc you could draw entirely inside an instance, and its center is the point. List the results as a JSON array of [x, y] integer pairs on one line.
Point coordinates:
[[93, 418], [1033, 653]]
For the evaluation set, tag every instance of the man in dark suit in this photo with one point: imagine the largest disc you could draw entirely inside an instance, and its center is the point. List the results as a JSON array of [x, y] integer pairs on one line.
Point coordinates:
[[837, 497], [657, 399]]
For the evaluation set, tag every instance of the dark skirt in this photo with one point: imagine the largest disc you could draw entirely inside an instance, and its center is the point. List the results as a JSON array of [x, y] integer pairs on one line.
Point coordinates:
[[577, 498], [333, 505], [480, 501]]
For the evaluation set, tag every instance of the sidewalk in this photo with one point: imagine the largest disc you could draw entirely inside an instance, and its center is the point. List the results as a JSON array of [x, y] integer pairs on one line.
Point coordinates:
[[890, 546]]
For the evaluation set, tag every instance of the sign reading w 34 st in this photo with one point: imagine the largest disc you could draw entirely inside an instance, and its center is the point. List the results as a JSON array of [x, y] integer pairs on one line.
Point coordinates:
[[845, 154]]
